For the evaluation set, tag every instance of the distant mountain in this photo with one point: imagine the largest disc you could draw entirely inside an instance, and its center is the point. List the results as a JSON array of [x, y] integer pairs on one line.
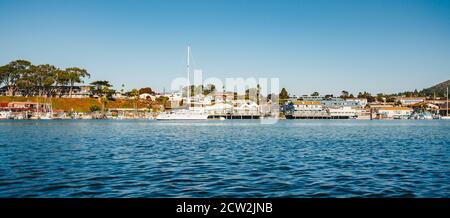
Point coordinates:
[[440, 89]]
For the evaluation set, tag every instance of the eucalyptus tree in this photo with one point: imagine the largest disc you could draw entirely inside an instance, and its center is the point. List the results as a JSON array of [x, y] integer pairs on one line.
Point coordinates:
[[3, 72], [102, 88], [12, 72], [283, 96], [61, 81], [315, 94], [75, 75], [344, 94], [44, 76], [26, 83]]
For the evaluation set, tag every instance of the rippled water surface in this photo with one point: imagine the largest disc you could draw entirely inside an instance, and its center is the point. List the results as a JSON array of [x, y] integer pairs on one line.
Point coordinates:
[[293, 158]]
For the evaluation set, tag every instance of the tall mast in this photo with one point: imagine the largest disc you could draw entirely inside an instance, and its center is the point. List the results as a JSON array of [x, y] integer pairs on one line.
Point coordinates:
[[447, 101], [188, 78]]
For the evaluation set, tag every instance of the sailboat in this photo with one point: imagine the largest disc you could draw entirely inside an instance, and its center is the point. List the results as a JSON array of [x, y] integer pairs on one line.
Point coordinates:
[[185, 114], [45, 115], [446, 117], [4, 115]]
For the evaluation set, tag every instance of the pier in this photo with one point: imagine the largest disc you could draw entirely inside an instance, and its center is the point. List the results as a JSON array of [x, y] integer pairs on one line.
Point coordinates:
[[324, 117], [235, 117]]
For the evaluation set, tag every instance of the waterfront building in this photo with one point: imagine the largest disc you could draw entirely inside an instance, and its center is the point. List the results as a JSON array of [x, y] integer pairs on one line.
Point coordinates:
[[4, 106], [27, 106], [361, 102], [219, 109], [336, 102], [393, 112], [60, 91], [223, 97], [362, 113], [248, 108], [374, 106], [410, 100], [305, 110], [308, 106], [176, 99], [345, 112]]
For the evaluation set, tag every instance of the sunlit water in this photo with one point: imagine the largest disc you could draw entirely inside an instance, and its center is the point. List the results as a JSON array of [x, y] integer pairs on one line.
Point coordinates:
[[293, 158]]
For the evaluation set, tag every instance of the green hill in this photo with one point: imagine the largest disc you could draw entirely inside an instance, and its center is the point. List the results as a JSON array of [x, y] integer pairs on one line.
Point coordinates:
[[440, 89]]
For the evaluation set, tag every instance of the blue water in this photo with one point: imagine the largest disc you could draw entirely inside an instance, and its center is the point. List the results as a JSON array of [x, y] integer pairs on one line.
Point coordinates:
[[293, 158]]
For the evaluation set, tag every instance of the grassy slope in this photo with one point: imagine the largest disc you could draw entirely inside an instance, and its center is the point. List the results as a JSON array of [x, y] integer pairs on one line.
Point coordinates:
[[76, 104]]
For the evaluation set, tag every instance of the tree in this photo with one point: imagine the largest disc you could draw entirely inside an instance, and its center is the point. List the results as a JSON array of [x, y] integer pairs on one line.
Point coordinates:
[[61, 80], [284, 96], [43, 77], [102, 89], [380, 97], [344, 94], [12, 72], [146, 90], [3, 70], [315, 94], [94, 108], [134, 93], [367, 96], [27, 82], [164, 101], [210, 88], [74, 75], [258, 93]]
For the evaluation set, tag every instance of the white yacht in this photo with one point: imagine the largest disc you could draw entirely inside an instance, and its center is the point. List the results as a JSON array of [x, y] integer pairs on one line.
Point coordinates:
[[191, 113], [183, 115], [4, 115]]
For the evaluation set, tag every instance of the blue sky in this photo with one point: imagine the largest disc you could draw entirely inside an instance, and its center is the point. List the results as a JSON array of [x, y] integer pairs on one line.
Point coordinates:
[[326, 46]]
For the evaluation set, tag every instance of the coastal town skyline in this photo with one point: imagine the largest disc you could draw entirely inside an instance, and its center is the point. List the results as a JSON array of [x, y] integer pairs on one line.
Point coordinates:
[[224, 107], [311, 46]]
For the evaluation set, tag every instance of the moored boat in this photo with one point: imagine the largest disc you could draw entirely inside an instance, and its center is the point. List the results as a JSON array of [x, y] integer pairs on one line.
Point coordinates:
[[446, 117], [183, 115], [4, 115]]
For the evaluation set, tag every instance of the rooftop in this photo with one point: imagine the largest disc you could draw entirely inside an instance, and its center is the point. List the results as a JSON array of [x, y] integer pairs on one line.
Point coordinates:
[[307, 102], [395, 108]]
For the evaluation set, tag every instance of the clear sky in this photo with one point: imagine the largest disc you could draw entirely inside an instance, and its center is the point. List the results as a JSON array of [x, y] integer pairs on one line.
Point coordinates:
[[325, 46]]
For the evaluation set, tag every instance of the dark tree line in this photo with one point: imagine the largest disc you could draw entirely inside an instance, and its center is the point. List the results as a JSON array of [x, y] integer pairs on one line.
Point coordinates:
[[39, 80]]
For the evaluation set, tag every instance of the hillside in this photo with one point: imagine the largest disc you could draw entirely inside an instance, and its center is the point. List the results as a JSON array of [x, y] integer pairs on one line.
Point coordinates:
[[78, 104], [440, 89]]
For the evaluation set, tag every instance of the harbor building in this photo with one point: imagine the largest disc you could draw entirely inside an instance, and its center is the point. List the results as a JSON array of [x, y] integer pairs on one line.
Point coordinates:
[[406, 101], [345, 112], [393, 112], [336, 101]]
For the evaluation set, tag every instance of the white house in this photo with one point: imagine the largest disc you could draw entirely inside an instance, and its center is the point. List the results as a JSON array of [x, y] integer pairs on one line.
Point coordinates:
[[362, 102], [146, 96], [312, 106], [411, 100], [219, 109], [342, 112], [249, 108], [394, 112]]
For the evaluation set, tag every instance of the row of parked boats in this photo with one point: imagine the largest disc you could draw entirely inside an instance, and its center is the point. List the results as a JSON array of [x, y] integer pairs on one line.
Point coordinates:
[[183, 114]]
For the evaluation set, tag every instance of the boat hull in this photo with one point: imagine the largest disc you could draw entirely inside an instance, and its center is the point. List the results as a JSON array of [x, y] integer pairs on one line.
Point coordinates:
[[182, 117]]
